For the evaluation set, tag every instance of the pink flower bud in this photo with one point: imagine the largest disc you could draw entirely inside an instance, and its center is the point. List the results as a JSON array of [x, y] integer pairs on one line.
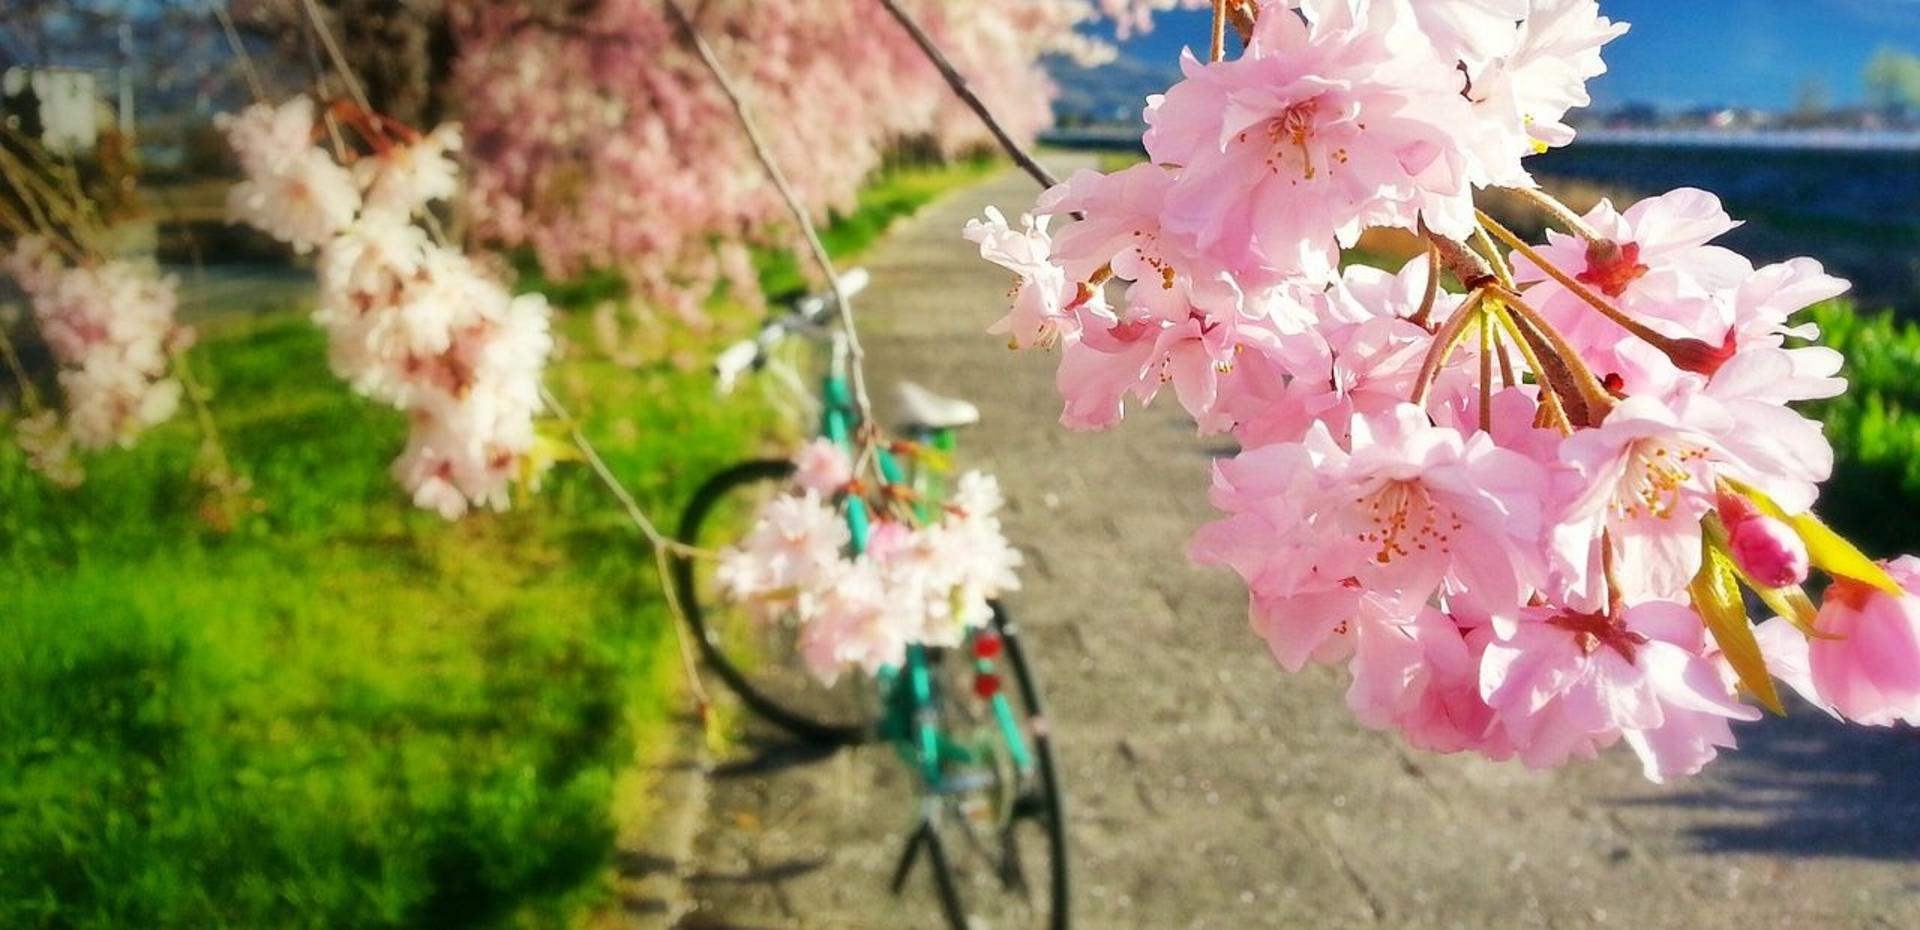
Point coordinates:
[[1769, 551]]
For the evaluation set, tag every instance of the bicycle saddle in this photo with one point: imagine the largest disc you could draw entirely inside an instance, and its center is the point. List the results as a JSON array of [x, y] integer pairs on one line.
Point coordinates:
[[925, 409]]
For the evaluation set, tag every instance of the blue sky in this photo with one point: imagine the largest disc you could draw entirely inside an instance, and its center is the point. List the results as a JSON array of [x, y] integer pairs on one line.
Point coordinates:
[[1689, 52]]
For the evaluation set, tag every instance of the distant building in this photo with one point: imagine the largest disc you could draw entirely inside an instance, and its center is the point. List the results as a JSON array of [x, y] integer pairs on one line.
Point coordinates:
[[69, 105]]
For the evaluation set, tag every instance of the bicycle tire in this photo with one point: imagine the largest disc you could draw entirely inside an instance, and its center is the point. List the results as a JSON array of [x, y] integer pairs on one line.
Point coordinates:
[[1033, 824], [1043, 752], [1054, 815], [796, 721]]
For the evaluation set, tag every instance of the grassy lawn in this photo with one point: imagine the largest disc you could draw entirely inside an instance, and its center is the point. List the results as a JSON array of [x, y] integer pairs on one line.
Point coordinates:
[[348, 713], [1875, 428]]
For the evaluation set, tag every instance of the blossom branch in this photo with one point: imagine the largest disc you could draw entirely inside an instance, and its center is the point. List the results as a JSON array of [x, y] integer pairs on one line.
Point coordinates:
[[220, 475], [1487, 339], [856, 357], [354, 89], [958, 82], [1500, 268]]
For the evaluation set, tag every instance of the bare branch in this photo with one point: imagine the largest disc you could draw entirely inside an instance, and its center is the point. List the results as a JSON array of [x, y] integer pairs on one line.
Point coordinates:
[[959, 84], [800, 217]]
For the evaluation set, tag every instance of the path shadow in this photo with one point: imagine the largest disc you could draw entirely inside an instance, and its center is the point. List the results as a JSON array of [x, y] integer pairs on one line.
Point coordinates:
[[1809, 785], [771, 873], [771, 754], [700, 922]]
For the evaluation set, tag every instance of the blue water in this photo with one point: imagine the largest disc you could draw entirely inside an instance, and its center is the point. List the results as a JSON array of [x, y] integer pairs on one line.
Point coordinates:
[[1856, 211]]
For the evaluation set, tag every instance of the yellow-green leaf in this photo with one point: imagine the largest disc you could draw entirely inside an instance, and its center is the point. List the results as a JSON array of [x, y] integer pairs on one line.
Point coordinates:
[[1716, 595], [1829, 551], [933, 459], [547, 450]]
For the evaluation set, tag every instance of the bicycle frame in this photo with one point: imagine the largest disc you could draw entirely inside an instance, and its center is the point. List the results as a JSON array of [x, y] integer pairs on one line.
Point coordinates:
[[912, 720]]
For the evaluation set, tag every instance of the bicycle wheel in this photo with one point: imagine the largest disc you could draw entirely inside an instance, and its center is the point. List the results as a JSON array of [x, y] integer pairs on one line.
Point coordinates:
[[759, 659], [1005, 815]]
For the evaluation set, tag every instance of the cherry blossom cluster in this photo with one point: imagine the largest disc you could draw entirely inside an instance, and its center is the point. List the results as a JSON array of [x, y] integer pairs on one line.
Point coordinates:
[[600, 140], [109, 325], [927, 582], [410, 321], [1519, 509]]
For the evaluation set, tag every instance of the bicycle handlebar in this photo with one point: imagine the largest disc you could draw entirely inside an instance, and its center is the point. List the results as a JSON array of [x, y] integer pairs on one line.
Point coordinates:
[[804, 316]]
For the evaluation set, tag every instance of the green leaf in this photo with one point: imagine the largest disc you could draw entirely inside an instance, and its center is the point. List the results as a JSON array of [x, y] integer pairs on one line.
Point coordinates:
[[1716, 595], [933, 459], [1829, 551]]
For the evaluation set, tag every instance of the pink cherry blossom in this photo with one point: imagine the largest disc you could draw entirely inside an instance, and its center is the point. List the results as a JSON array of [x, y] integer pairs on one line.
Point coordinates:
[[1497, 534], [930, 583], [1467, 31], [1045, 300], [794, 544], [1523, 94], [823, 467], [110, 327], [1362, 356], [1565, 684], [1317, 132], [1654, 262], [411, 322], [293, 191], [1420, 675], [1866, 662]]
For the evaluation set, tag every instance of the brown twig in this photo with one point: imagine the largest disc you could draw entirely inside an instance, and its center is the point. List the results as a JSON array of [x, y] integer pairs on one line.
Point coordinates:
[[1423, 317], [1559, 211], [1591, 392], [1466, 264], [662, 544], [1444, 342], [1219, 47], [1242, 14], [1486, 372], [1530, 347], [252, 74]]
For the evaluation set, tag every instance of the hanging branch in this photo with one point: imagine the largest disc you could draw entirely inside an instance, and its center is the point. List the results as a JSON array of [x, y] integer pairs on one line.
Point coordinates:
[[752, 129], [959, 84], [661, 543], [247, 69]]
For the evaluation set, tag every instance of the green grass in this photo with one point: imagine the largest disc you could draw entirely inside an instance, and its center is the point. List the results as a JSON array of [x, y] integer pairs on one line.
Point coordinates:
[[346, 713], [1874, 428]]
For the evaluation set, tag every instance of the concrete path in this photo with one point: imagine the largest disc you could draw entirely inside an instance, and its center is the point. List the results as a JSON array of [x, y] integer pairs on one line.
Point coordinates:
[[1207, 788]]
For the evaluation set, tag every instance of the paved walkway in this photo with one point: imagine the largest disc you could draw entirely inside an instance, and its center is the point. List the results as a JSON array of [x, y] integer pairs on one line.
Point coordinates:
[[1208, 789]]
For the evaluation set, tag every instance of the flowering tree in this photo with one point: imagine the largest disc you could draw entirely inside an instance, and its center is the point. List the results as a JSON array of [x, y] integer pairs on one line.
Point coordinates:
[[107, 322], [599, 139], [1520, 514]]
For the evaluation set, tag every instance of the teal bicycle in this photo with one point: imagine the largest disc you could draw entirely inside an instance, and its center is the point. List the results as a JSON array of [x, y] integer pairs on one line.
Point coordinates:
[[968, 721]]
